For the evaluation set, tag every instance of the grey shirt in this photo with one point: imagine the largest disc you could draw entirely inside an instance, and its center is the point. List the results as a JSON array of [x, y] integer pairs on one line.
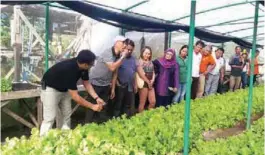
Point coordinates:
[[100, 75]]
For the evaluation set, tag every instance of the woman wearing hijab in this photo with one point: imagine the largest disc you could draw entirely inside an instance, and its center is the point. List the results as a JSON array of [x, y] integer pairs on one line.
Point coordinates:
[[167, 77]]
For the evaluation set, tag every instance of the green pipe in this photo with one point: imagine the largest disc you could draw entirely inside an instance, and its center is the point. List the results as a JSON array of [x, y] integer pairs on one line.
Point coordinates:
[[135, 5], [47, 22], [122, 31], [250, 94], [238, 30], [188, 95], [56, 6], [213, 9], [227, 22], [246, 37]]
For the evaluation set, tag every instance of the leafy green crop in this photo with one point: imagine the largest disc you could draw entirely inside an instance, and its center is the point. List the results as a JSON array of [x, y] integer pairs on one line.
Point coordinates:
[[249, 142], [5, 85], [158, 131]]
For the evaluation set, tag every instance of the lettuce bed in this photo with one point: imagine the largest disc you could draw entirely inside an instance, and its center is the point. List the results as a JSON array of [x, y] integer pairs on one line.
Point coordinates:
[[158, 131]]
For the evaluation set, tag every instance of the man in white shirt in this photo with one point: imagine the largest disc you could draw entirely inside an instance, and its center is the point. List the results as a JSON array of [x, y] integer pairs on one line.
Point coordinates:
[[196, 61], [216, 74]]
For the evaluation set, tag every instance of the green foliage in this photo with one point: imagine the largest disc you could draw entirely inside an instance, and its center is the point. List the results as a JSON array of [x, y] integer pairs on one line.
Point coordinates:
[[158, 131], [5, 30], [6, 85], [249, 142]]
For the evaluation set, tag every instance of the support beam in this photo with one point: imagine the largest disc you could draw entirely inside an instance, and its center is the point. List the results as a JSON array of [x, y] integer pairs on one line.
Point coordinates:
[[18, 44], [17, 117], [166, 41], [246, 37], [39, 111], [27, 108], [213, 9], [188, 93], [122, 31], [250, 92], [238, 30], [227, 22], [47, 25]]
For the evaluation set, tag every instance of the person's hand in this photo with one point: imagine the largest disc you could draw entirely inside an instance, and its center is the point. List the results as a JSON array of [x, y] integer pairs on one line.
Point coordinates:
[[100, 101], [150, 86], [205, 73], [112, 94], [152, 82], [175, 90], [97, 107], [124, 54]]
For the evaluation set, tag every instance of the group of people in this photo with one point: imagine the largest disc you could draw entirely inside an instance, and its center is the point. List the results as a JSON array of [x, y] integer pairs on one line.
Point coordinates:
[[117, 75]]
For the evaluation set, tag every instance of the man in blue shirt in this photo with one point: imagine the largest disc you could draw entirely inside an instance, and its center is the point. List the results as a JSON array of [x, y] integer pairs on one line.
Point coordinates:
[[126, 86]]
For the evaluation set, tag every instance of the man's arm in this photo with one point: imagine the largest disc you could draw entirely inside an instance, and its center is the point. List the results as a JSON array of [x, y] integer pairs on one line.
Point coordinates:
[[90, 89], [92, 92], [115, 65], [80, 100]]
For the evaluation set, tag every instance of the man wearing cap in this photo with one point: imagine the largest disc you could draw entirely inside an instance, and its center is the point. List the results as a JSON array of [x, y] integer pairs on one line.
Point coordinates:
[[59, 87], [101, 74]]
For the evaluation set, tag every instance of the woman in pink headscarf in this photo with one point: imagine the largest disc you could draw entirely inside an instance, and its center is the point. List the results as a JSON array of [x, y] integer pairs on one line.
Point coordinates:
[[167, 77]]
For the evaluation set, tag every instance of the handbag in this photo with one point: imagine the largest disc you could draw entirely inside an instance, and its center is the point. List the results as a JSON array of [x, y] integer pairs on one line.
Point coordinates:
[[139, 81]]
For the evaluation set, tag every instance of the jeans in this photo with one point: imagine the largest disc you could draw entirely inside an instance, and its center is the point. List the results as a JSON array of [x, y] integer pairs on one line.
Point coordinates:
[[211, 84], [244, 79], [180, 93], [52, 101]]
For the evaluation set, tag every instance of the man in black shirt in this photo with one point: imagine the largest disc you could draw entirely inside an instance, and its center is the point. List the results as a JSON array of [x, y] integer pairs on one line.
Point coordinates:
[[59, 87]]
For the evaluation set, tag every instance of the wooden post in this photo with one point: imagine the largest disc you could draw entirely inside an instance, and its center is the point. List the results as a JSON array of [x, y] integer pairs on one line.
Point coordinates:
[[17, 44], [17, 117], [166, 41], [27, 108], [39, 111]]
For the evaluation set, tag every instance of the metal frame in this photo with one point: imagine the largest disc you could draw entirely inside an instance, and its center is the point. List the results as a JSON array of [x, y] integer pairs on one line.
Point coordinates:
[[231, 21], [122, 31], [47, 22], [213, 9], [250, 93], [188, 92], [246, 37], [238, 30]]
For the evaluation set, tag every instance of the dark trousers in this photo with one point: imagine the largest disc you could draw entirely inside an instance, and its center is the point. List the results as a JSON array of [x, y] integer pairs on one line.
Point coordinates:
[[254, 79], [194, 87], [124, 102], [163, 100], [244, 79], [103, 92]]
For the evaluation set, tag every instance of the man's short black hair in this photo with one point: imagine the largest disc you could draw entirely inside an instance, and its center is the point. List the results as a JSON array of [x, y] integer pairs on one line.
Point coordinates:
[[221, 49], [238, 47], [86, 56], [129, 42], [199, 42]]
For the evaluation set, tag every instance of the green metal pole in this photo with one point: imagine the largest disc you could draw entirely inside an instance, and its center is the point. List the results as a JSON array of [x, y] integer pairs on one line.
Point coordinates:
[[169, 40], [250, 94], [122, 31], [188, 95], [47, 22]]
